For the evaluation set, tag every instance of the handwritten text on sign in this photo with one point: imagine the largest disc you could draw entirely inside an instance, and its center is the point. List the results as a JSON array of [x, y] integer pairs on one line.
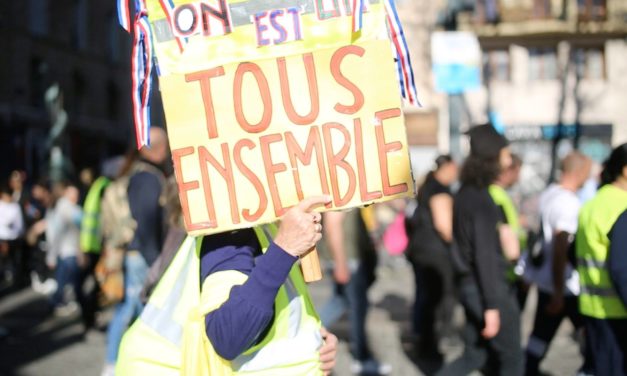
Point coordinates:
[[251, 139]]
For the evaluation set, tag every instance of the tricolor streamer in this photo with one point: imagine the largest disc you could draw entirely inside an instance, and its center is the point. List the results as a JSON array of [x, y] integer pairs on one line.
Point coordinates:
[[401, 52], [141, 74], [168, 8], [141, 67], [358, 15], [124, 15]]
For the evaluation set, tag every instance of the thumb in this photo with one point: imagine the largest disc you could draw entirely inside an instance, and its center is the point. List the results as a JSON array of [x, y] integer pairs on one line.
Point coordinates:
[[312, 202]]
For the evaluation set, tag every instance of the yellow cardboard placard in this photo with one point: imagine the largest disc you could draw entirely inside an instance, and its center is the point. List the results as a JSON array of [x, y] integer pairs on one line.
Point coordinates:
[[258, 128]]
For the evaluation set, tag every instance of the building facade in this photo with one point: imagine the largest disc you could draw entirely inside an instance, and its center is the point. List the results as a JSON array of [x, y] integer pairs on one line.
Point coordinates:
[[78, 45]]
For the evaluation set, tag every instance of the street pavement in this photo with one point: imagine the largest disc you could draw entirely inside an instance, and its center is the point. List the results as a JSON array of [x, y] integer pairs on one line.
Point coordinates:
[[37, 343]]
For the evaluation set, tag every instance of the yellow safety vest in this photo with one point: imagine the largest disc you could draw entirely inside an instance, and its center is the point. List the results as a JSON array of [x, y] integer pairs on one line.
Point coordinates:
[[502, 199], [598, 297], [169, 337]]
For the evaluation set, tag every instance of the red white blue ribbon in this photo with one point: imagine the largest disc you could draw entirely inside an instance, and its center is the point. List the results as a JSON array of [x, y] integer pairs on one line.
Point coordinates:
[[141, 67], [124, 15], [141, 75], [358, 15], [168, 9], [401, 53]]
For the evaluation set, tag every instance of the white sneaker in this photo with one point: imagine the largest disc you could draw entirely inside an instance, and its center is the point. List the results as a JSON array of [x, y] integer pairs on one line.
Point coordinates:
[[66, 310], [108, 370]]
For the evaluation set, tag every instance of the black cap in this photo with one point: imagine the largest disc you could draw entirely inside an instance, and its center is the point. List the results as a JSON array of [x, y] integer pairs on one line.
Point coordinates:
[[485, 141]]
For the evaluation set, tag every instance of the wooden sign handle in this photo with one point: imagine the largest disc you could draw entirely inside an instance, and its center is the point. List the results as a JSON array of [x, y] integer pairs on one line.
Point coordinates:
[[310, 266]]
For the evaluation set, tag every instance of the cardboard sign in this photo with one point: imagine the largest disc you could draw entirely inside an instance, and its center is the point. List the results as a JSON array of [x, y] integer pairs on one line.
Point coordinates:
[[288, 104]]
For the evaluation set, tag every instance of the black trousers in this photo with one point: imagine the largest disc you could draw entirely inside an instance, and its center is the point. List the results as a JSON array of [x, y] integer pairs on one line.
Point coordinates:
[[544, 328], [89, 300], [435, 298], [607, 342], [501, 355]]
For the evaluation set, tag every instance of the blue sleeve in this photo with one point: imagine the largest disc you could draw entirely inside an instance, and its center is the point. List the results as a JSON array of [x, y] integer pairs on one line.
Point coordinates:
[[617, 257], [239, 322], [144, 190]]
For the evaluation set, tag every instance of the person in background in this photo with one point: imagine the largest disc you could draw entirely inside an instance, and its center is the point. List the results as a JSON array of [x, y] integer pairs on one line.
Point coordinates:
[[146, 206], [63, 234], [556, 279], [492, 328], [20, 253], [11, 229], [601, 266], [91, 242], [511, 233], [431, 228], [41, 202], [347, 241]]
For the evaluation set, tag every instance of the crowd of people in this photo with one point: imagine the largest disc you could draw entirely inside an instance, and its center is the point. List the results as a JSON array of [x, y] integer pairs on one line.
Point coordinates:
[[467, 245], [473, 247]]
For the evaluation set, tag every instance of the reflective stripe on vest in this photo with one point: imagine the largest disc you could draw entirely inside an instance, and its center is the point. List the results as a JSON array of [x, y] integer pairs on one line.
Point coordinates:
[[159, 319], [598, 297]]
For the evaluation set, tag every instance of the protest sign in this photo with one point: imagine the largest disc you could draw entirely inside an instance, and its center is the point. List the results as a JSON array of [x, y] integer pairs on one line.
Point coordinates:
[[268, 102]]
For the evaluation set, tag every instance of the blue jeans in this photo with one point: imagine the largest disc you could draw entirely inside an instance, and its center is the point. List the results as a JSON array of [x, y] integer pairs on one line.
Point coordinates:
[[135, 273], [352, 297], [67, 271]]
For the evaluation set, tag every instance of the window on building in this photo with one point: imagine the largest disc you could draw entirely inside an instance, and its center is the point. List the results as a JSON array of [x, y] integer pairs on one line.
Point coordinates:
[[38, 17], [79, 93], [496, 65], [590, 63], [38, 72], [487, 11], [79, 31], [542, 64], [592, 10], [541, 9]]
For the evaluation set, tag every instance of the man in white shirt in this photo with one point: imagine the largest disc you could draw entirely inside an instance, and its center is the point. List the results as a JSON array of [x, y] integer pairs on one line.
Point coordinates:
[[555, 277]]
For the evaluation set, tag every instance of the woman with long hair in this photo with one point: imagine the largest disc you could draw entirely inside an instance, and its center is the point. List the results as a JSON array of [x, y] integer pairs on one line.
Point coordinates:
[[602, 267], [492, 316], [429, 252]]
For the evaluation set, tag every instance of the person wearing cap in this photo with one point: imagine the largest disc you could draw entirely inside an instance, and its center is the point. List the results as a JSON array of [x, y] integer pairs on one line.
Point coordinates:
[[492, 332]]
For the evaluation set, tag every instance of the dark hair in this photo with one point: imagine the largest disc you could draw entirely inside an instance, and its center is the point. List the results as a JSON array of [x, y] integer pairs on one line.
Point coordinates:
[[479, 172], [614, 165], [442, 160]]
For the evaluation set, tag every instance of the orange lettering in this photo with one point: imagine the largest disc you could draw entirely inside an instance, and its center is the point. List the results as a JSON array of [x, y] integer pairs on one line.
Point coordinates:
[[204, 78], [184, 186], [314, 99], [361, 169], [264, 91], [304, 156], [271, 170], [385, 148], [336, 61], [250, 175], [338, 160], [226, 172]]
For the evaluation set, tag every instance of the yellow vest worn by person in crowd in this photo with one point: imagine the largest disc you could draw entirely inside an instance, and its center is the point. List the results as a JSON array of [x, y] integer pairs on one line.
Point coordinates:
[[502, 199], [169, 337], [598, 297]]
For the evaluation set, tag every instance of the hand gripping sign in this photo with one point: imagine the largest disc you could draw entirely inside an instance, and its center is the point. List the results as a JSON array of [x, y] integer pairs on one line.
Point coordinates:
[[271, 101]]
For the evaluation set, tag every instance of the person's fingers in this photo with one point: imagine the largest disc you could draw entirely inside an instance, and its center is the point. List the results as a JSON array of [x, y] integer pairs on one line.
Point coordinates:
[[312, 202], [316, 217], [318, 227]]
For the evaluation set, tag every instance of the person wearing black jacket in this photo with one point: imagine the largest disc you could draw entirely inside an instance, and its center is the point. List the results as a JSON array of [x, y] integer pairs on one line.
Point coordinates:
[[492, 332]]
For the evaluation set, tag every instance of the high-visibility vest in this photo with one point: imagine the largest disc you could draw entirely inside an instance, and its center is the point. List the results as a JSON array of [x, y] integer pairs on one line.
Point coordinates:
[[502, 199], [91, 231], [598, 296], [169, 337]]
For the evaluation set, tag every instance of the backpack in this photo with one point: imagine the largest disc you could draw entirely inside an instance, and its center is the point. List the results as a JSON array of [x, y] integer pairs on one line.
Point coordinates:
[[118, 230]]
